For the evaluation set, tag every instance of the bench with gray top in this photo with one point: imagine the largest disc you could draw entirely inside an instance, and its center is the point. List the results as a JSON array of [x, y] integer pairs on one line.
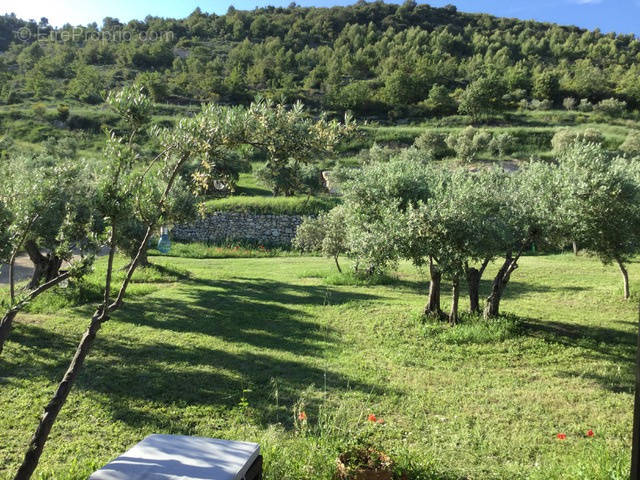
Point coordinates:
[[178, 457]]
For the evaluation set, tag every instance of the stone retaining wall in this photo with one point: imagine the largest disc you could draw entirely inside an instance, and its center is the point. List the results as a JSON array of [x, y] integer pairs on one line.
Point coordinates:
[[220, 227]]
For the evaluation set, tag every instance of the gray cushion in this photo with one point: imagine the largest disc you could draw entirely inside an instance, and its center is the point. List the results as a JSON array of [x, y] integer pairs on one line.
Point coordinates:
[[179, 457]]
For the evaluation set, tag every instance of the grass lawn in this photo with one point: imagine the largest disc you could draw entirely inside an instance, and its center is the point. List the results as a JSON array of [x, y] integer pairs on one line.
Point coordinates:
[[234, 348]]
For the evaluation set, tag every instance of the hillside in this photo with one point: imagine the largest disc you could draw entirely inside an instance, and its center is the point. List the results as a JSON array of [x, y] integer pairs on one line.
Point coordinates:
[[373, 58]]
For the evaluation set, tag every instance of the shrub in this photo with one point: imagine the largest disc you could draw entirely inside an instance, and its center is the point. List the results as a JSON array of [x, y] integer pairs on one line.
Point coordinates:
[[612, 107], [569, 103], [39, 109], [273, 205], [585, 105], [468, 143], [631, 144], [565, 137], [63, 112], [502, 144], [541, 104], [433, 143]]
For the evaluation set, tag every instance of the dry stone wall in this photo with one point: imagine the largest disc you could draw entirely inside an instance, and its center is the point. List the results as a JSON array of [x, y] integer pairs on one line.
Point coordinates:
[[222, 227]]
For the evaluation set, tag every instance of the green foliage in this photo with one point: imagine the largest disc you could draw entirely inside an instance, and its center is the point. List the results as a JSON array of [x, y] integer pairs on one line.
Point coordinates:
[[600, 202], [87, 85], [502, 144], [612, 107], [63, 112], [300, 205], [468, 143], [324, 234], [433, 143], [154, 85], [440, 102], [290, 139], [482, 97], [565, 138], [569, 103], [631, 144]]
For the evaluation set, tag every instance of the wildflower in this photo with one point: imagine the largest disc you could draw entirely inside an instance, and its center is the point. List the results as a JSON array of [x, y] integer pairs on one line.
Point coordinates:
[[302, 416], [561, 436], [372, 418], [380, 421], [590, 433]]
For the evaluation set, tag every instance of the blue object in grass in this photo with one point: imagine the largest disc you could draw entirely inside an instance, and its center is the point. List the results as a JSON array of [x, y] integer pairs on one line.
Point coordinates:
[[164, 244]]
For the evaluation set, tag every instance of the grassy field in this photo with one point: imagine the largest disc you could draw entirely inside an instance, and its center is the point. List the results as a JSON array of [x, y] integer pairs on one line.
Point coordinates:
[[235, 348]]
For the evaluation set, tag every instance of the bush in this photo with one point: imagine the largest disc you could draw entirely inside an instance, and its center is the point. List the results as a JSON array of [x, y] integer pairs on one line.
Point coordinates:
[[63, 112], [502, 144], [631, 144], [585, 105], [39, 109], [273, 205], [433, 143], [569, 103], [468, 143], [565, 137], [612, 107], [541, 105]]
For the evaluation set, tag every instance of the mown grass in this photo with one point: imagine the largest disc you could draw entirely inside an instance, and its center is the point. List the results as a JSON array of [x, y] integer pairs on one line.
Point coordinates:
[[233, 348]]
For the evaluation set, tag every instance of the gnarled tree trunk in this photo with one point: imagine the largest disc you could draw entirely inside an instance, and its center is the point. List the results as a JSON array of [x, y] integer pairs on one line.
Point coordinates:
[[474, 275], [5, 326], [492, 308], [433, 305], [45, 267], [455, 296]]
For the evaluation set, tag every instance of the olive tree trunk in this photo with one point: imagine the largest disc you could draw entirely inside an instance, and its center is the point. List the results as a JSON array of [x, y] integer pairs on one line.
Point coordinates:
[[46, 267], [51, 411], [474, 275], [335, 258], [625, 277], [500, 281], [433, 305], [5, 327], [10, 315], [455, 297]]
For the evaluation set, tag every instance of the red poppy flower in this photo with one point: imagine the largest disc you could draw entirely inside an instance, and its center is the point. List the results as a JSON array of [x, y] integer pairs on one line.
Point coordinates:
[[302, 416], [372, 418], [590, 433], [561, 436]]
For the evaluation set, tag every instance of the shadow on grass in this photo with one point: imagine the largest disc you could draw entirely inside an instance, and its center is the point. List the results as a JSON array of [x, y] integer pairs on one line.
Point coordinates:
[[264, 337], [617, 346]]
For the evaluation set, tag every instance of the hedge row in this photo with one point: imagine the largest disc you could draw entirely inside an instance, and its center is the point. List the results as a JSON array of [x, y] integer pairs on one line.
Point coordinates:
[[299, 205]]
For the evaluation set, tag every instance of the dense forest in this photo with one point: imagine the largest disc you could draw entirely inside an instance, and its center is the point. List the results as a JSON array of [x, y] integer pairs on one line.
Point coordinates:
[[371, 58]]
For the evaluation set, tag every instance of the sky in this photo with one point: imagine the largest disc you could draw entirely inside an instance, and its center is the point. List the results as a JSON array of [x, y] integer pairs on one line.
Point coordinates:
[[622, 16]]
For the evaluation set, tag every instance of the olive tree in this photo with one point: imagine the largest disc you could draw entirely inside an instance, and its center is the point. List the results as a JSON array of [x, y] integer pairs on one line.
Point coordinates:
[[325, 233], [378, 202], [601, 204], [527, 201], [289, 138], [49, 207]]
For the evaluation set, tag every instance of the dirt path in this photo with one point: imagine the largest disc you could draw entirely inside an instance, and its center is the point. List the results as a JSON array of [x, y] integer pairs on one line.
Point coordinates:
[[22, 271]]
